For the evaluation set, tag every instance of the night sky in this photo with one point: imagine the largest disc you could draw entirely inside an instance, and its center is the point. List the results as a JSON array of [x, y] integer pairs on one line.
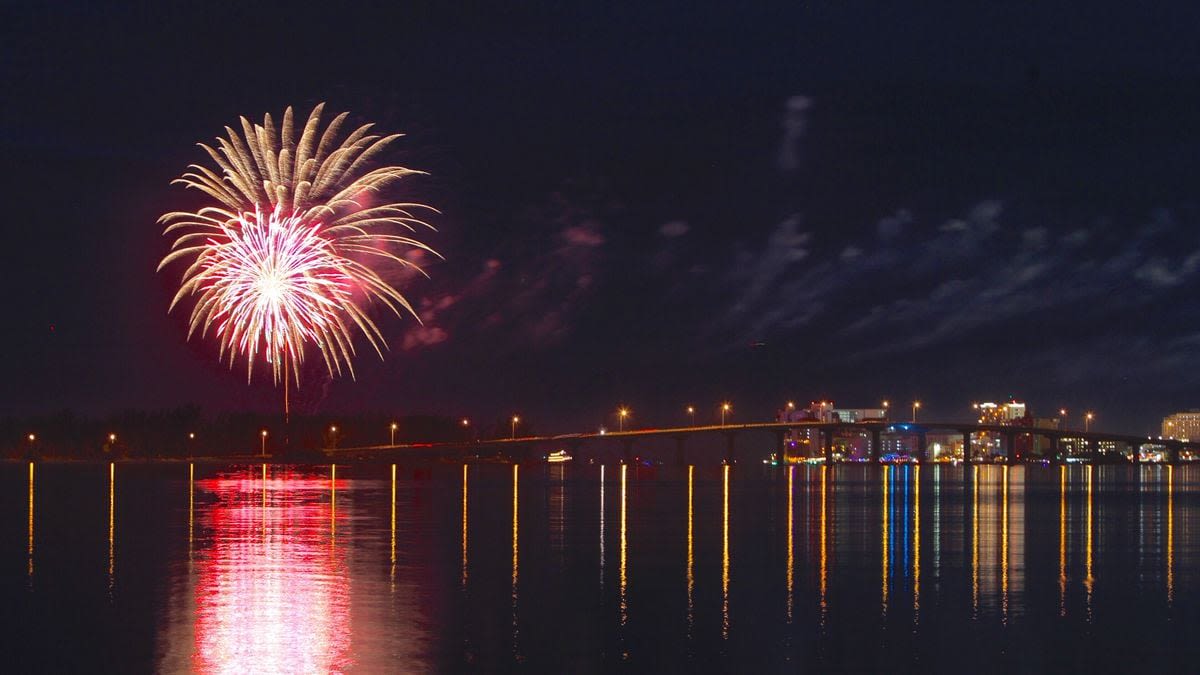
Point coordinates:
[[645, 206]]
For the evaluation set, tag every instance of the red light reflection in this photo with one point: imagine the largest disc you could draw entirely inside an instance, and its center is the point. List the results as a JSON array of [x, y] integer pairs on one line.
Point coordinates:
[[272, 590]]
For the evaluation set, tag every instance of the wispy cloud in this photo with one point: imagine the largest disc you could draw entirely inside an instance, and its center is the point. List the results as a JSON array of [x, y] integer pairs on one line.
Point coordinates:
[[518, 301], [917, 285]]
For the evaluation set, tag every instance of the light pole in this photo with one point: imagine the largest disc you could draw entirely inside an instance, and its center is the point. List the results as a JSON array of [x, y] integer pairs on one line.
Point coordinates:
[[916, 407], [621, 415], [691, 411], [1087, 422], [32, 439], [515, 420], [886, 410], [393, 430], [333, 435], [725, 407], [466, 425], [191, 443], [263, 434]]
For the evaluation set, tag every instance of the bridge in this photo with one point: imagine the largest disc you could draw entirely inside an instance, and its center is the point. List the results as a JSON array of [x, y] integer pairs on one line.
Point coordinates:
[[821, 434]]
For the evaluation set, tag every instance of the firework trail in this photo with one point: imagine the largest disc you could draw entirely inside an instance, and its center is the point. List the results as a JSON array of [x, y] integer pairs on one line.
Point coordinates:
[[284, 255]]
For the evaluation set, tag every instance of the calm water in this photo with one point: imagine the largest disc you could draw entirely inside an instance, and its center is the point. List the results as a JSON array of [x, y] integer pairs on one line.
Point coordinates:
[[581, 568]]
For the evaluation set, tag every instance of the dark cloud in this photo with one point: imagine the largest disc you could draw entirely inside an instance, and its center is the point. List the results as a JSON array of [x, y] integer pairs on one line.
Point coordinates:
[[674, 228], [521, 302]]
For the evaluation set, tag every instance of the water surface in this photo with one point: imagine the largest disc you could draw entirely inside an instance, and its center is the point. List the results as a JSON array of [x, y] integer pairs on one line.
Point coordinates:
[[583, 568]]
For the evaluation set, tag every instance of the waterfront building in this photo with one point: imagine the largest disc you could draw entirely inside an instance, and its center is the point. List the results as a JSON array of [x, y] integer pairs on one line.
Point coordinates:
[[944, 446], [1002, 413], [1182, 425], [802, 443], [1041, 444], [1013, 413]]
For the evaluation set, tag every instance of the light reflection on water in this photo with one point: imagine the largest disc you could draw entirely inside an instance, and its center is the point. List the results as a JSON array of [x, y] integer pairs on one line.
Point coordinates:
[[30, 552], [270, 586], [328, 569]]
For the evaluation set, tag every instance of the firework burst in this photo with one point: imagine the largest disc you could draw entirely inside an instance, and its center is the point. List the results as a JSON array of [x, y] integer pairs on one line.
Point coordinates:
[[287, 253]]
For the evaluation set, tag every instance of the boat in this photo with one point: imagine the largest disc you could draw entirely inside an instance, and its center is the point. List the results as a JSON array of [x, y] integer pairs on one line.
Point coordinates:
[[558, 457]]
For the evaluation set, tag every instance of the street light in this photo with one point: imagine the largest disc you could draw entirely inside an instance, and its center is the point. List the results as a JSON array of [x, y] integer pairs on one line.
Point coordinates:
[[621, 415], [691, 411], [32, 438], [515, 419], [466, 425], [1087, 422], [886, 405], [791, 405], [264, 442], [725, 407], [112, 438], [393, 430], [916, 407]]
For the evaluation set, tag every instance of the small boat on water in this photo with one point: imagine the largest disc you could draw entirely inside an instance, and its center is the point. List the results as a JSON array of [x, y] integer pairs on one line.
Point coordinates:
[[558, 457]]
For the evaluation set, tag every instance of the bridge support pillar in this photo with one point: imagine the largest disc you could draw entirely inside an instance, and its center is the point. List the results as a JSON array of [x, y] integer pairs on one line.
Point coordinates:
[[1173, 455], [1056, 450], [966, 434], [627, 450], [828, 446], [729, 448], [680, 455], [876, 445], [1010, 448], [922, 448], [1135, 452], [781, 449]]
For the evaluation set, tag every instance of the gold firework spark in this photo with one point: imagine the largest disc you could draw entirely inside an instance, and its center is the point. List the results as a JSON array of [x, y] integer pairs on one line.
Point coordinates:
[[282, 208]]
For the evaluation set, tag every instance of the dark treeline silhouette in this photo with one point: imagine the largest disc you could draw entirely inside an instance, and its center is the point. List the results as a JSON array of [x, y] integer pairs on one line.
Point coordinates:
[[190, 432]]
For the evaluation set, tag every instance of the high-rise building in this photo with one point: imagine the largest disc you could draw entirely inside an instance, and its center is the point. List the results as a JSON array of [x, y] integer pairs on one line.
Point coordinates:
[[1182, 425], [1001, 413], [1015, 414]]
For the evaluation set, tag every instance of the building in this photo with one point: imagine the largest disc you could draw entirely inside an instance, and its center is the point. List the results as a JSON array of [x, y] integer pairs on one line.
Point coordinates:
[[1042, 445], [1011, 414], [855, 414], [802, 442], [1184, 426], [824, 411], [1001, 413], [942, 447]]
